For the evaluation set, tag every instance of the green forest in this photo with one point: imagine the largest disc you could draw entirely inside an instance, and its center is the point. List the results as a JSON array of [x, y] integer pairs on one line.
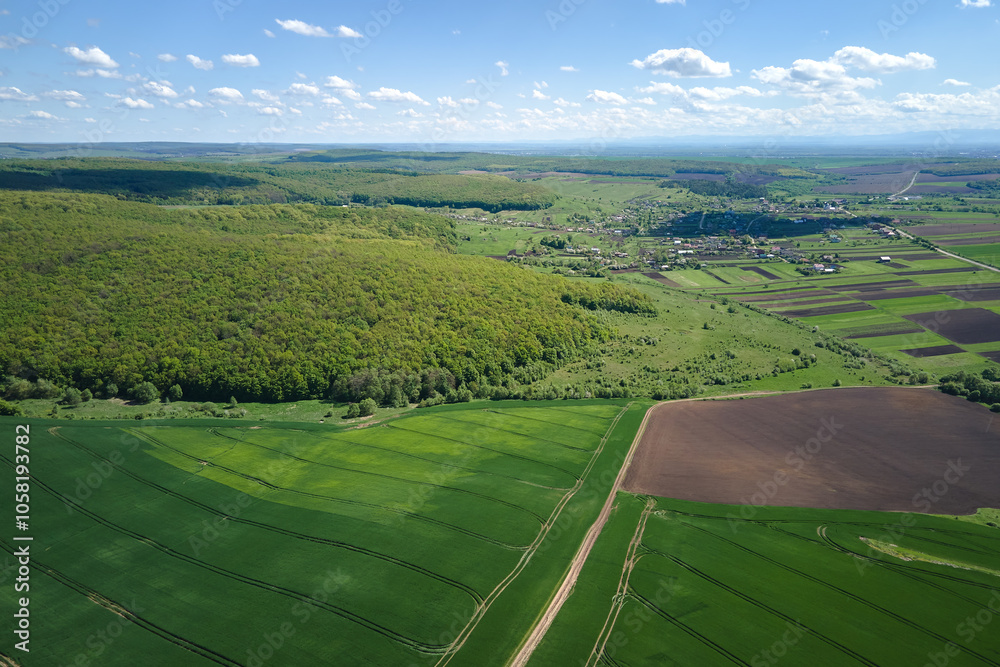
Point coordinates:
[[275, 303], [233, 184]]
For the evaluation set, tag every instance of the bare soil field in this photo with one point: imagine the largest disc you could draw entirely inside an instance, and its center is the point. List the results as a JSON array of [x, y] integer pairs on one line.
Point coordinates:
[[874, 287], [785, 295], [761, 272], [660, 279], [965, 327], [957, 228], [935, 351], [871, 183], [924, 177], [932, 272], [941, 188], [875, 330], [826, 310], [992, 356], [810, 302], [874, 448], [872, 169], [976, 240]]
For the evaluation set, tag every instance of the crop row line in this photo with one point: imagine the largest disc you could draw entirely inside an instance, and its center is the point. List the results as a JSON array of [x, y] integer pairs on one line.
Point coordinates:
[[335, 499], [125, 613], [763, 606], [382, 475], [489, 449], [463, 636], [275, 529], [690, 631], [857, 598]]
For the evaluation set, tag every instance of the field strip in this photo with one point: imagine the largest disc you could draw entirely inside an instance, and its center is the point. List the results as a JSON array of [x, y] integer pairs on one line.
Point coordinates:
[[621, 594], [764, 607], [118, 609], [951, 254], [542, 534], [247, 580], [489, 449], [524, 435], [378, 474], [282, 531], [857, 598], [332, 499], [690, 631], [576, 565]]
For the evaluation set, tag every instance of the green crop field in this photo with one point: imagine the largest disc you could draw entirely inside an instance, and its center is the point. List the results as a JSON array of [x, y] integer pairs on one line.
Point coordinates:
[[686, 583], [395, 544]]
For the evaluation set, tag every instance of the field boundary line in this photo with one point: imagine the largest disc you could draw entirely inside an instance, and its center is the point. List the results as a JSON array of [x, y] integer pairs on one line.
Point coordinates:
[[526, 557], [619, 600], [576, 565]]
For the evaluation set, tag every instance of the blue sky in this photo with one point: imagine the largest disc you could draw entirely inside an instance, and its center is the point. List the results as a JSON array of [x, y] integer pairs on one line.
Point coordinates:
[[246, 71]]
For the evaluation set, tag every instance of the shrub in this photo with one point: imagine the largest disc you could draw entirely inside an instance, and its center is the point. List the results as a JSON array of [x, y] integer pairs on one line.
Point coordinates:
[[86, 395], [72, 397], [352, 411], [995, 407], [10, 409], [145, 392], [175, 393], [367, 407]]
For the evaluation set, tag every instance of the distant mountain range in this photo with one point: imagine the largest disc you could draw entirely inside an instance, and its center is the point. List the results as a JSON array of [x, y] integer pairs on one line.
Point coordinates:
[[965, 143]]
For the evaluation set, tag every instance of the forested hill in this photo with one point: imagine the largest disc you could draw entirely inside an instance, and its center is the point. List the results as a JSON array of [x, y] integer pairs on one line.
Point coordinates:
[[253, 183], [276, 302]]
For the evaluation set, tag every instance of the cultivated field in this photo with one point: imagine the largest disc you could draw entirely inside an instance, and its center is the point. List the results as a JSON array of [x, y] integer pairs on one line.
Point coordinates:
[[854, 448], [403, 544]]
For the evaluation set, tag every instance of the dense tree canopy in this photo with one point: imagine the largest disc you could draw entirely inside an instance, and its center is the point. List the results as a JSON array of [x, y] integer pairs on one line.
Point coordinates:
[[274, 302]]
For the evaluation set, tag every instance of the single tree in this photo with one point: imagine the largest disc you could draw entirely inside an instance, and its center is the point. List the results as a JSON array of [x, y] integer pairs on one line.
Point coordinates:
[[353, 411], [145, 392], [175, 393], [71, 397], [367, 407]]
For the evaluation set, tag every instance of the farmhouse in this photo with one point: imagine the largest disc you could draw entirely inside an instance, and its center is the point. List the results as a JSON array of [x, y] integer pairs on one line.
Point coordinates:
[[885, 259]]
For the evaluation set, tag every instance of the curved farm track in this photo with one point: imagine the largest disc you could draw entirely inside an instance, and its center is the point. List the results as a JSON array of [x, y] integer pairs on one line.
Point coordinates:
[[871, 448]]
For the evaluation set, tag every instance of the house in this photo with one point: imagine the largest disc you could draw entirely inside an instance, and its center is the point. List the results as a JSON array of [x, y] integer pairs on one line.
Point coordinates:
[[884, 259]]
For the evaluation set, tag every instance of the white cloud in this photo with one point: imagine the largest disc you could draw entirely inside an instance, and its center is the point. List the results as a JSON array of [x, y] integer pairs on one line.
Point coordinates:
[[167, 57], [410, 113], [539, 95], [663, 88], [812, 77], [344, 31], [270, 111], [44, 115], [365, 105], [303, 28], [190, 104], [471, 81], [394, 95], [330, 100], [160, 89], [11, 41], [198, 63], [225, 93], [955, 82], [92, 56], [559, 101], [568, 68], [12, 93], [684, 62], [447, 102], [135, 104], [65, 96], [503, 65], [337, 82], [543, 85], [494, 105], [303, 89], [976, 3], [89, 120], [670, 2], [103, 73], [606, 97], [264, 95], [237, 60], [867, 60], [646, 100]]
